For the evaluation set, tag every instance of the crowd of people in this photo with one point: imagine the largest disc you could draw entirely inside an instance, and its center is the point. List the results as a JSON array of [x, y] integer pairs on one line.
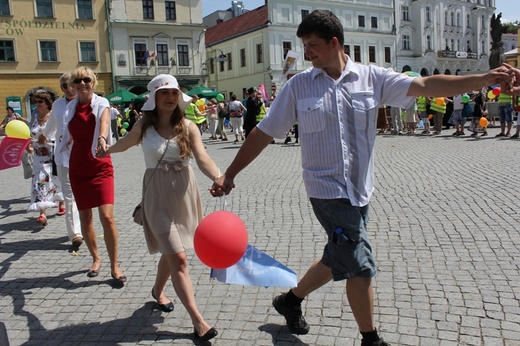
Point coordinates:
[[329, 103], [462, 111]]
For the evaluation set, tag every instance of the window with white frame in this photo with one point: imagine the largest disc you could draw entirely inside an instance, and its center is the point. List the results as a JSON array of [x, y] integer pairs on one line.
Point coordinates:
[[372, 54], [85, 9], [242, 57], [406, 42], [259, 54], [171, 13], [5, 9], [361, 21], [346, 49], [446, 15], [458, 19], [452, 16], [405, 10], [357, 53], [468, 20], [48, 51], [428, 42], [229, 61], [286, 46], [373, 21], [7, 51], [388, 55], [428, 14], [140, 53], [183, 54], [87, 51], [161, 53], [44, 9], [304, 13]]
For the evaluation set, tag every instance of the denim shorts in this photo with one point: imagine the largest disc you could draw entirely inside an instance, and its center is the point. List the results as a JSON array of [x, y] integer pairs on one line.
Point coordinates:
[[505, 113], [348, 253]]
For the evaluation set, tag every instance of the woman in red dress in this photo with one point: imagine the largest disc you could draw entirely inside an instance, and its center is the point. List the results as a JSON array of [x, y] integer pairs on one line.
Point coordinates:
[[91, 178]]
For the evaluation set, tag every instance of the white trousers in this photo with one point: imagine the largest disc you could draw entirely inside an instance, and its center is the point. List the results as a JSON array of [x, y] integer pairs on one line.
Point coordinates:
[[71, 211]]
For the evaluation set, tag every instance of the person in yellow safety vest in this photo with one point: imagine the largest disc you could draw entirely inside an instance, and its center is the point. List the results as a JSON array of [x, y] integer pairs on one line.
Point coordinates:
[[438, 108], [193, 113], [505, 114], [423, 113], [263, 111], [516, 102]]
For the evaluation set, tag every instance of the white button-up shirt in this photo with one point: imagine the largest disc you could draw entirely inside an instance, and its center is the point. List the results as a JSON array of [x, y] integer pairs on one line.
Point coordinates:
[[55, 128], [337, 125]]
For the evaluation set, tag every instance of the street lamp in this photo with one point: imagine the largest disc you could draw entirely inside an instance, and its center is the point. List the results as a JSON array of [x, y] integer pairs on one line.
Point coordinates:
[[221, 58]]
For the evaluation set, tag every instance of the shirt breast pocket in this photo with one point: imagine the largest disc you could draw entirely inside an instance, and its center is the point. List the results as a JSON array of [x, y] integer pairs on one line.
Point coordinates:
[[310, 113], [363, 104]]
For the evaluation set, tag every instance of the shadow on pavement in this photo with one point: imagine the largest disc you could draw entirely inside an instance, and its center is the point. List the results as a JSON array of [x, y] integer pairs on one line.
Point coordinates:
[[280, 334]]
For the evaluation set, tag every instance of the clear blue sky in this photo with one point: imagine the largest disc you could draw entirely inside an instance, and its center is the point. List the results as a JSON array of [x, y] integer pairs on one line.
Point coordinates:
[[510, 8], [210, 6]]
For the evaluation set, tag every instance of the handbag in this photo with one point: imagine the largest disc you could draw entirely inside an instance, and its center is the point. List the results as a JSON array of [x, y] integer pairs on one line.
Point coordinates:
[[27, 164], [137, 214], [54, 167]]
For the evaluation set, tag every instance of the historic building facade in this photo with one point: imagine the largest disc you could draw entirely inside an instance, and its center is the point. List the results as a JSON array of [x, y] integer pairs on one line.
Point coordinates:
[[443, 37], [40, 40], [153, 37], [250, 49]]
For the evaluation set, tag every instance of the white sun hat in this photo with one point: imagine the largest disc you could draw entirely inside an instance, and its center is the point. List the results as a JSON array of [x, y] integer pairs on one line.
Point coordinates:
[[164, 81]]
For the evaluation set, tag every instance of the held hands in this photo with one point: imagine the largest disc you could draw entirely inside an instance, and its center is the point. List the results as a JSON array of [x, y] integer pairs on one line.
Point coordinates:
[[102, 147], [512, 86], [222, 186]]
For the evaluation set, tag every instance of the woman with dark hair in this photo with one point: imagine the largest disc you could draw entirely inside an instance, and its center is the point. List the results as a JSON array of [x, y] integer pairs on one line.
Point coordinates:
[[45, 188], [11, 115], [171, 201], [87, 130]]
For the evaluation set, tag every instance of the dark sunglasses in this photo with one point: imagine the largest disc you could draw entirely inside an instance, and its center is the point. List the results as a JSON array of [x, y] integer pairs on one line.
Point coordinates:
[[86, 80], [39, 101]]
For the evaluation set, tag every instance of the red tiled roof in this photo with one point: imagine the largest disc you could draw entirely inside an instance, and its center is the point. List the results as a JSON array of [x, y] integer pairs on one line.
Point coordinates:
[[242, 24]]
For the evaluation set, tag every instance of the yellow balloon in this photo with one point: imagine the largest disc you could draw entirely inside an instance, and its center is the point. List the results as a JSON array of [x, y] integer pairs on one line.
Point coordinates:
[[17, 129], [490, 95], [123, 131], [199, 102]]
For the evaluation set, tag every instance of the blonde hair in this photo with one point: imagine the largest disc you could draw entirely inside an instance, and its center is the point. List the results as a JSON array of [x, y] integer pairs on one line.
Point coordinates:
[[82, 72]]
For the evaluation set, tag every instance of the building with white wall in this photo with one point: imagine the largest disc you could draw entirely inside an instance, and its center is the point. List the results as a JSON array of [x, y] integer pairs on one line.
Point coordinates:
[[255, 43], [446, 37], [153, 37]]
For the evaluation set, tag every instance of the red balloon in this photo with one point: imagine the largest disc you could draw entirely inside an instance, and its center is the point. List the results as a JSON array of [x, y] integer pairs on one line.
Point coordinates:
[[220, 239], [496, 91]]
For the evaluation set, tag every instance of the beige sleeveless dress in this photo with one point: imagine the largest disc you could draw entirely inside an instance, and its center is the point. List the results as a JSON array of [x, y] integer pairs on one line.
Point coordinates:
[[171, 202]]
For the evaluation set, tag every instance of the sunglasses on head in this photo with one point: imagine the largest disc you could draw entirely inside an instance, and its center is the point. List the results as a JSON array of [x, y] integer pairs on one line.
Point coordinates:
[[86, 80]]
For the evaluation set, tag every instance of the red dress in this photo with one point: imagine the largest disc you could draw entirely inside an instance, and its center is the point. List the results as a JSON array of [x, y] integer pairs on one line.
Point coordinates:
[[91, 178]]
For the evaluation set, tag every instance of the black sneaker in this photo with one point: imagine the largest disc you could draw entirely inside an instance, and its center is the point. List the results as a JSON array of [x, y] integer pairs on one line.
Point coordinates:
[[379, 342], [293, 315]]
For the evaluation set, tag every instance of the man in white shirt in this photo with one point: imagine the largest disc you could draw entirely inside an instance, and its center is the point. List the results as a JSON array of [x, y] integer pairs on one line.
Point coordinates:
[[335, 104], [55, 127], [114, 114]]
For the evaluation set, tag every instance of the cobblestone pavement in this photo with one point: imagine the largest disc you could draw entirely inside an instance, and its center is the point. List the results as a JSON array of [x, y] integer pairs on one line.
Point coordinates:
[[444, 226]]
